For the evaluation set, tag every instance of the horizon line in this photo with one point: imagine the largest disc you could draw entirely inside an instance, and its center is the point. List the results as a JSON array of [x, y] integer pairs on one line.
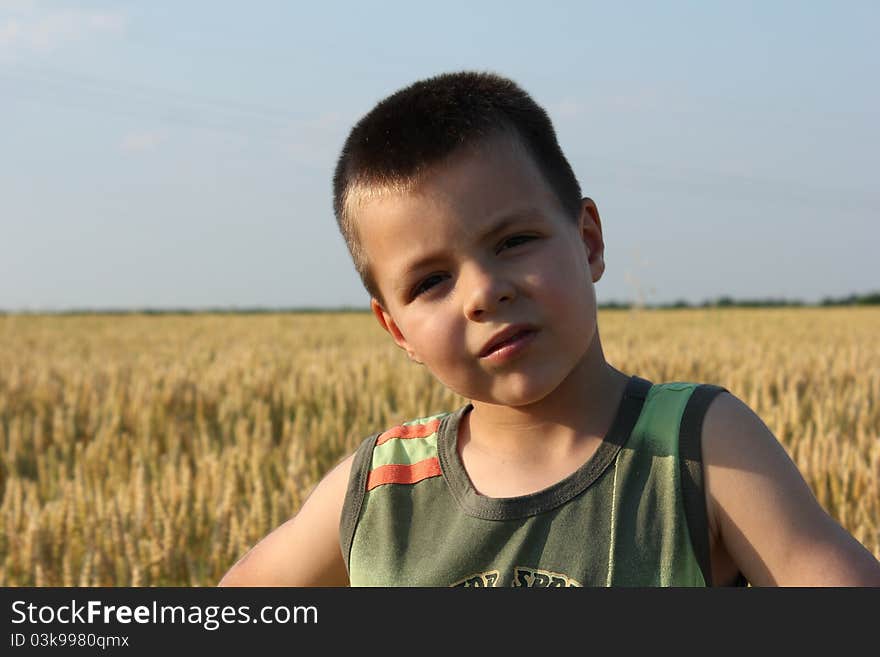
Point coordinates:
[[871, 298]]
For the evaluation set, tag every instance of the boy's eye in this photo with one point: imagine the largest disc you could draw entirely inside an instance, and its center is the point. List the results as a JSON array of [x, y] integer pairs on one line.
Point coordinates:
[[426, 284], [516, 240]]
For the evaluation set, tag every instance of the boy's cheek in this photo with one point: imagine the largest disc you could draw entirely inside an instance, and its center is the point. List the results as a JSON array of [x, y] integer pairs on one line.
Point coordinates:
[[441, 344]]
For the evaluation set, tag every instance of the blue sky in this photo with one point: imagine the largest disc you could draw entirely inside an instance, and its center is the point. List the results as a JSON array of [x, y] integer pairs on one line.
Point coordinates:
[[180, 154]]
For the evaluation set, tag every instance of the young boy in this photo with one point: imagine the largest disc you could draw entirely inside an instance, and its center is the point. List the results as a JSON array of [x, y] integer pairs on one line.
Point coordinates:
[[467, 226]]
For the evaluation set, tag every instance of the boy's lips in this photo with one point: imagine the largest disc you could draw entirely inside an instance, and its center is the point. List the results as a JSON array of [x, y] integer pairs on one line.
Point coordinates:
[[507, 336]]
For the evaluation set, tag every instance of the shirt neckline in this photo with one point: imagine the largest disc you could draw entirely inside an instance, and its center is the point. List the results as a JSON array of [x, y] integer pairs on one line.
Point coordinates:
[[509, 508]]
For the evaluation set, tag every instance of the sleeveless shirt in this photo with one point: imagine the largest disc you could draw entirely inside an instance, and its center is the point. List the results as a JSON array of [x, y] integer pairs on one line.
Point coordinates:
[[633, 515]]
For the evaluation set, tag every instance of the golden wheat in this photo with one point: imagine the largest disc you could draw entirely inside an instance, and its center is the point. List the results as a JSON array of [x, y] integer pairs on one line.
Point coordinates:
[[155, 450]]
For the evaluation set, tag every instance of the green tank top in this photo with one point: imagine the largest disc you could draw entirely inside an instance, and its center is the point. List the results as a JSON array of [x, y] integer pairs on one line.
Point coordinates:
[[633, 515]]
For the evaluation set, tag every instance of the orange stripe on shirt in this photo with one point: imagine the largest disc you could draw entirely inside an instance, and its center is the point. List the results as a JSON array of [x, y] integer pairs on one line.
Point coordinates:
[[404, 474], [409, 431]]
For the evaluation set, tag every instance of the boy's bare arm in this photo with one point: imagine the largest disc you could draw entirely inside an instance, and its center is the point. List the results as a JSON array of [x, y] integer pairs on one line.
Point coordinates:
[[305, 550], [770, 521]]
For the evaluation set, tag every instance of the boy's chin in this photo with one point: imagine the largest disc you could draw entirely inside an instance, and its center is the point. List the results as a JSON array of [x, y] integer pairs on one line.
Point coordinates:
[[513, 389], [516, 396]]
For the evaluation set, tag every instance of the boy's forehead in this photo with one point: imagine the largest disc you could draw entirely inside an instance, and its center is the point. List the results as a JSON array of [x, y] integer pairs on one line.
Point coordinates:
[[480, 177]]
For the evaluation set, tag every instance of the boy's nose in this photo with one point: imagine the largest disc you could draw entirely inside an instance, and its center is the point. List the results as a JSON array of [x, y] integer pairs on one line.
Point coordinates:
[[485, 293]]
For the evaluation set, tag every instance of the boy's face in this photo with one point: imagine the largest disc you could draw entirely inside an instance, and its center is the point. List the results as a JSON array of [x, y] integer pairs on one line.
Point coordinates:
[[479, 247]]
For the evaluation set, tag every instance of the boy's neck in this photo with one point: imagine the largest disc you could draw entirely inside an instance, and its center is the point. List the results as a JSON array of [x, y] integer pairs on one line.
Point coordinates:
[[581, 409]]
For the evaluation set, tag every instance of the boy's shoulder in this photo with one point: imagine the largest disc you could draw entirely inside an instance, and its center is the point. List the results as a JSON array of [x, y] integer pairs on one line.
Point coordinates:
[[425, 426], [418, 424], [681, 406], [681, 387], [400, 452], [671, 412]]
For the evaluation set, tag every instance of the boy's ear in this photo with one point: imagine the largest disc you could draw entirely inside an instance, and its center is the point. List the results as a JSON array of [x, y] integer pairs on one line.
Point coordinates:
[[387, 322], [590, 229]]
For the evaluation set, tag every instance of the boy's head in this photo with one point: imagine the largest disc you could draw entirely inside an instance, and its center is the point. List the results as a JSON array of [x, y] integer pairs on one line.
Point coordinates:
[[413, 130], [467, 224]]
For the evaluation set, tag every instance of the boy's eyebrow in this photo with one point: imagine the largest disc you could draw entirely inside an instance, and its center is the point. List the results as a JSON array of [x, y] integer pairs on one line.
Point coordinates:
[[503, 223], [508, 219]]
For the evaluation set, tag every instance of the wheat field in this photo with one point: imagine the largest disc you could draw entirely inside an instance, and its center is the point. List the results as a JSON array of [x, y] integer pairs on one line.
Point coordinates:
[[155, 450]]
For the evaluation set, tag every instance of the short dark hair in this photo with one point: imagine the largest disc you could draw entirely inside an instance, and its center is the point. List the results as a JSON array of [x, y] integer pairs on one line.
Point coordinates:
[[421, 125]]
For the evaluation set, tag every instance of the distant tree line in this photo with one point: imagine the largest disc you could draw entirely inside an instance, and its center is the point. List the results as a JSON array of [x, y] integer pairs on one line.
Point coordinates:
[[218, 310], [870, 299]]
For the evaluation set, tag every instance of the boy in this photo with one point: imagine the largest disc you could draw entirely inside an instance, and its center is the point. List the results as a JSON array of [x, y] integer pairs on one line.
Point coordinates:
[[467, 226]]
